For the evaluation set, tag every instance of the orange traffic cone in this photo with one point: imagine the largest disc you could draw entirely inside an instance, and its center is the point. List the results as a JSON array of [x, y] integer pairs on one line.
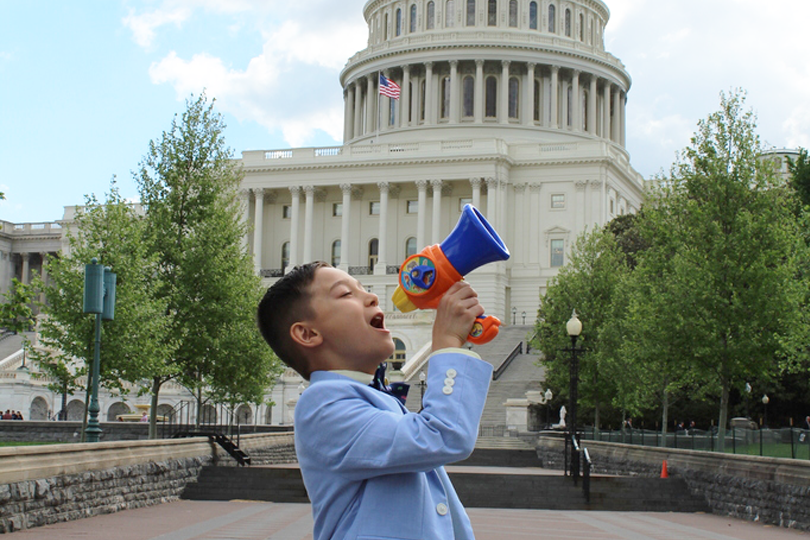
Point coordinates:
[[664, 473]]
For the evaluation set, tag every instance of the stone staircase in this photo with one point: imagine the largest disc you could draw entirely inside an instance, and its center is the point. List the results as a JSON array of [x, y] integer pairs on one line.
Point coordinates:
[[490, 478]]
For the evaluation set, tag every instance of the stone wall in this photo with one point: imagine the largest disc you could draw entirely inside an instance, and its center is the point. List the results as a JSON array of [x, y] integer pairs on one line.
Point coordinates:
[[40, 485], [769, 490]]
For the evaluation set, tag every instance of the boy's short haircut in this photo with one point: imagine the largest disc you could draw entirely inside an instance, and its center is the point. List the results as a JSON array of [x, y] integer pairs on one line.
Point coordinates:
[[285, 303]]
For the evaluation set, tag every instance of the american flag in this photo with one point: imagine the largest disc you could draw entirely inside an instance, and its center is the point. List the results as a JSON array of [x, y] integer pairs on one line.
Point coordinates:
[[388, 87]]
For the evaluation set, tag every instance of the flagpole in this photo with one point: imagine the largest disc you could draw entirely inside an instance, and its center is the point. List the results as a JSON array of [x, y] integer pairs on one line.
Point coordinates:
[[378, 103]]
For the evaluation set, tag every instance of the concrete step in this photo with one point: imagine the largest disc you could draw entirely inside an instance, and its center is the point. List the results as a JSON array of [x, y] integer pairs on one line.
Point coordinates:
[[489, 487]]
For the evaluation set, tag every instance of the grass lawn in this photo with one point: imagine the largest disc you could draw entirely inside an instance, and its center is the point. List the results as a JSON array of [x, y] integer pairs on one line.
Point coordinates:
[[17, 443]]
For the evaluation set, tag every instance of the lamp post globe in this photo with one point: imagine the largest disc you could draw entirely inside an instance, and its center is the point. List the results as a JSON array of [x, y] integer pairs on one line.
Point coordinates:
[[574, 329]]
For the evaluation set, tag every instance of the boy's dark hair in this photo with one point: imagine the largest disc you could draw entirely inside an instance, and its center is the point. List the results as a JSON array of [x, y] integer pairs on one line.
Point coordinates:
[[285, 303]]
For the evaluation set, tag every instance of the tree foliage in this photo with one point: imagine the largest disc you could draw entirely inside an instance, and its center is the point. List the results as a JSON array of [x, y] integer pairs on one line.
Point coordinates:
[[188, 186], [16, 311]]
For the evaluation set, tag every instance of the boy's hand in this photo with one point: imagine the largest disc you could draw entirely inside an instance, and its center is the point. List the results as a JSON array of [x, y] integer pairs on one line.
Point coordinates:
[[455, 316]]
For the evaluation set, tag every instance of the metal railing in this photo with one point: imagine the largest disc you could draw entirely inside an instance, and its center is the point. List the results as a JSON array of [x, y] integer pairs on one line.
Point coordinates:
[[790, 443], [518, 350]]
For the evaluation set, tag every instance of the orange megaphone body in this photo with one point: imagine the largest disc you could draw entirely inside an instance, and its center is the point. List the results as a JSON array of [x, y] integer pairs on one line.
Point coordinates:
[[426, 276]]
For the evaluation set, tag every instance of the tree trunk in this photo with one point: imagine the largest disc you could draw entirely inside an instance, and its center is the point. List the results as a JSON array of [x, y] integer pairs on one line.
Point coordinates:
[[664, 417], [156, 384], [721, 424]]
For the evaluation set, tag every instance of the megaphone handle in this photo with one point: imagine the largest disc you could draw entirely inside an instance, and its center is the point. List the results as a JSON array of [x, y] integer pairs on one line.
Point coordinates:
[[484, 330]]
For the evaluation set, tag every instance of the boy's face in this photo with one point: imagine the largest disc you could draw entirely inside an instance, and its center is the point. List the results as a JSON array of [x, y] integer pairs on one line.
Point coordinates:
[[350, 322]]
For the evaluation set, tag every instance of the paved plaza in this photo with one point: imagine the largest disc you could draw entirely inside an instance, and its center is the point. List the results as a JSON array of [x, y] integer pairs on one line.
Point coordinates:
[[251, 520]]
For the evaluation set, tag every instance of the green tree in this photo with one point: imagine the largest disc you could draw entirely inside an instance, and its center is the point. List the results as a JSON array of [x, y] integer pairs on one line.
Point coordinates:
[[112, 232], [730, 287], [589, 283], [800, 176], [16, 312], [188, 185]]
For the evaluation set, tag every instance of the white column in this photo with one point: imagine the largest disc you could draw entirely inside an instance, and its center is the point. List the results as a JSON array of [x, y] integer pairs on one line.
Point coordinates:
[[478, 101], [358, 111], [309, 193], [617, 118], [348, 114], [527, 110], [43, 274], [623, 117], [503, 106], [244, 218], [606, 111], [492, 200], [534, 223], [582, 207], [576, 109], [437, 210], [295, 191], [554, 95], [405, 97], [259, 228], [592, 106], [345, 222], [25, 267], [421, 240], [429, 98], [382, 245], [455, 95], [476, 192], [517, 227], [371, 103]]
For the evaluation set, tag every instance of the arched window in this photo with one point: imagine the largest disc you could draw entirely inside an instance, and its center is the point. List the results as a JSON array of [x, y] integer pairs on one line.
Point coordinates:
[[285, 256], [552, 17], [413, 18], [581, 27], [398, 358], [336, 253], [399, 23], [385, 28], [568, 22], [537, 100], [533, 15], [410, 247], [468, 89], [422, 102], [513, 18], [492, 13], [373, 254], [470, 12], [445, 108], [450, 14], [514, 93], [491, 97], [431, 15]]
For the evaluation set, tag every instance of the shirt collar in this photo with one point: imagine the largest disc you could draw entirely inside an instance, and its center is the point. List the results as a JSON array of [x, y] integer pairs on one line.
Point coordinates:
[[359, 376]]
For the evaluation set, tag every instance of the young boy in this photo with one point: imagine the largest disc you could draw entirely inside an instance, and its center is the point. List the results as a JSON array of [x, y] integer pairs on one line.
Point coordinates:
[[372, 469]]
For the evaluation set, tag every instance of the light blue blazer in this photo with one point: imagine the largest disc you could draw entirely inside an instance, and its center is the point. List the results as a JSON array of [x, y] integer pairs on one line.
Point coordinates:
[[375, 471]]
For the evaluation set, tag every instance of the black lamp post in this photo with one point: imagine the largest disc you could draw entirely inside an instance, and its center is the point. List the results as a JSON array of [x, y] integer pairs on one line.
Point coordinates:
[[524, 318], [422, 378], [514, 313], [548, 396], [574, 329], [765, 401]]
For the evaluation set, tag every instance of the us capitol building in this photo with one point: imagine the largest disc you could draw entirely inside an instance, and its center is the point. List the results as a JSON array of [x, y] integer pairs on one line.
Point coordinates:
[[513, 106]]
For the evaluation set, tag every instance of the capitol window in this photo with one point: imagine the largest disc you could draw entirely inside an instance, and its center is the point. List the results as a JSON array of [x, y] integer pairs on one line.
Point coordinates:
[[337, 209], [399, 23], [470, 12], [536, 97], [431, 15], [581, 27], [514, 93], [492, 97], [336, 253], [533, 15], [552, 15], [449, 14], [462, 202], [445, 112], [568, 22], [374, 208], [492, 13], [468, 89], [413, 18], [410, 247], [557, 253], [286, 211], [558, 200], [412, 207], [285, 256], [373, 253], [513, 13]]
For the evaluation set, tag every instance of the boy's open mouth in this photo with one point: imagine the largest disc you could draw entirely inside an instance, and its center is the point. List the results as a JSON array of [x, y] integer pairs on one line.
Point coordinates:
[[378, 321]]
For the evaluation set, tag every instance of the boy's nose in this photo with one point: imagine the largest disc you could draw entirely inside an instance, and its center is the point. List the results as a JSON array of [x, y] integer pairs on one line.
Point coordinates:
[[373, 299]]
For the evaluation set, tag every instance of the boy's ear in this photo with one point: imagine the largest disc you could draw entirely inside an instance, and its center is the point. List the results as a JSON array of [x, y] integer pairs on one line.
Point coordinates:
[[305, 335]]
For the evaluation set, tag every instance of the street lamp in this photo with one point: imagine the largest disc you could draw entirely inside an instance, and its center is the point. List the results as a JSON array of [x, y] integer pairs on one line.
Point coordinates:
[[765, 401], [574, 329], [514, 312], [548, 395], [524, 318]]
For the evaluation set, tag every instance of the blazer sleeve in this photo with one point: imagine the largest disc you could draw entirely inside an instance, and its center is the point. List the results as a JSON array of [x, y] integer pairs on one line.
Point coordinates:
[[359, 433]]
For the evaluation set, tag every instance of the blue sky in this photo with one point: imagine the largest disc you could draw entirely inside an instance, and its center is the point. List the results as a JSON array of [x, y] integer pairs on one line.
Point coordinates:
[[86, 84]]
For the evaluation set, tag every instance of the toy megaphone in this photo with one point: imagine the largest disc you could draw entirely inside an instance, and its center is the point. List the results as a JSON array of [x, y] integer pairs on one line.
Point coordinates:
[[426, 276]]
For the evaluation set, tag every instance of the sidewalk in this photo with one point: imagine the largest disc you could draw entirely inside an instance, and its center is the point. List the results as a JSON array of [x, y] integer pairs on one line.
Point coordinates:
[[250, 520]]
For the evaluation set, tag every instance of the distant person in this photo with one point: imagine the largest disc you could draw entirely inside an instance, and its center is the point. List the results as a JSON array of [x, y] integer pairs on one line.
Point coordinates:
[[19, 415], [807, 422], [680, 427], [144, 417], [7, 415]]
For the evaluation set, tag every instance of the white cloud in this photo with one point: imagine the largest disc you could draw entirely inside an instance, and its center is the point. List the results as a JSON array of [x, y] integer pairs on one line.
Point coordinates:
[[144, 26]]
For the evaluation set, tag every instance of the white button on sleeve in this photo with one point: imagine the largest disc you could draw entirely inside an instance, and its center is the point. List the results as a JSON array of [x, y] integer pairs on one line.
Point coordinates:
[[447, 390], [441, 508], [451, 373]]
